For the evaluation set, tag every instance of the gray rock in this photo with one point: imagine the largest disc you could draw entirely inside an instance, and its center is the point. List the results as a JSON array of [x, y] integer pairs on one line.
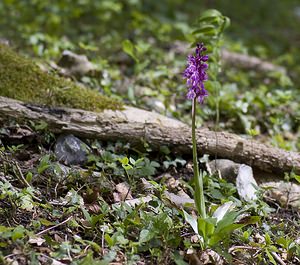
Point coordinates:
[[71, 150], [59, 172], [4, 41], [158, 106], [155, 104], [72, 64], [246, 184], [227, 168], [285, 193]]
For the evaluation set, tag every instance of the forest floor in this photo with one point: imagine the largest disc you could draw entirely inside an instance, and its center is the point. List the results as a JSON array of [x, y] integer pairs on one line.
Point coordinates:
[[65, 200], [122, 206]]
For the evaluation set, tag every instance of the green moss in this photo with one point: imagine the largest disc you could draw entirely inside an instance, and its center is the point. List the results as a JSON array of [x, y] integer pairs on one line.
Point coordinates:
[[21, 79]]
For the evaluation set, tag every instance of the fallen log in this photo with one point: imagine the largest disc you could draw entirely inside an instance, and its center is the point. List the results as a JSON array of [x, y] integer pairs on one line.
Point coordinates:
[[250, 62], [236, 59], [136, 126]]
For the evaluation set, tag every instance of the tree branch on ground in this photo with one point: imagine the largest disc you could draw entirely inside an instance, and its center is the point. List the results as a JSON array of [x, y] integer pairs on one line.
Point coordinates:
[[137, 126]]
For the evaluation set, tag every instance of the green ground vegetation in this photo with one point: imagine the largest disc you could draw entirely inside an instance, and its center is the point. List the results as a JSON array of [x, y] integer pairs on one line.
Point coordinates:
[[53, 215]]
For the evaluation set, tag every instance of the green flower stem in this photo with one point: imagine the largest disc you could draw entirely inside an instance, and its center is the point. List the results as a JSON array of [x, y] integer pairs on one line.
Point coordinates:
[[199, 194]]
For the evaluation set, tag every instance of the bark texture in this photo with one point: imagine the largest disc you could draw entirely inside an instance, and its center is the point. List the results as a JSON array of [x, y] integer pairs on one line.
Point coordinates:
[[136, 125], [250, 62], [237, 59]]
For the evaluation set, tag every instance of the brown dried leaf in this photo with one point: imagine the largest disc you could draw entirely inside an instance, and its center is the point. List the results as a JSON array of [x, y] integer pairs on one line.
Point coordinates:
[[36, 240], [123, 190]]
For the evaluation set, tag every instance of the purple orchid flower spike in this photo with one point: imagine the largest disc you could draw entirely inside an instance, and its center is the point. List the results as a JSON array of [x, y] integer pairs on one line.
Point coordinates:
[[195, 74]]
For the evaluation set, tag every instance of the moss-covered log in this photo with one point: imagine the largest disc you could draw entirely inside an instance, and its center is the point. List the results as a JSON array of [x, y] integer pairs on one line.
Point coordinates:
[[136, 125], [22, 79]]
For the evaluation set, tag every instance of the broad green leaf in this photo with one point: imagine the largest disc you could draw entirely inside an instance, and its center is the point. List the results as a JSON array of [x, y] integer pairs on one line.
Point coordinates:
[[127, 167], [228, 219], [282, 242], [121, 239], [46, 222], [225, 232], [96, 218], [229, 229], [124, 160], [297, 177], [222, 210], [3, 245], [246, 235], [132, 161], [94, 245], [44, 164], [216, 194], [4, 229], [26, 202], [210, 15], [252, 132], [206, 227], [86, 215], [88, 47], [89, 260], [154, 164], [226, 22], [146, 235], [109, 240], [206, 29], [18, 232], [192, 221], [273, 248], [178, 259], [139, 161], [268, 239], [147, 170], [128, 47], [42, 168], [29, 176], [250, 220], [164, 149]]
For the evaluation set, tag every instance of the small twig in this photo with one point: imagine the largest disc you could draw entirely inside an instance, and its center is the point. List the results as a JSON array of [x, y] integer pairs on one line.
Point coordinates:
[[68, 250], [127, 193], [275, 256], [21, 175], [57, 225], [57, 203], [55, 189], [256, 253], [234, 248], [11, 255], [288, 200], [23, 179], [47, 257], [102, 242]]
